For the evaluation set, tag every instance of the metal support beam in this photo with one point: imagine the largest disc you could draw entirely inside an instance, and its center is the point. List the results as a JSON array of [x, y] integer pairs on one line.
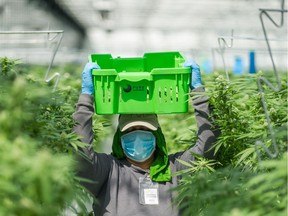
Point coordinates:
[[53, 7]]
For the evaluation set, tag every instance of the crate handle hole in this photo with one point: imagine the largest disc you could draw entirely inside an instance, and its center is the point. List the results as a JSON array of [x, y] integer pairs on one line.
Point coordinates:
[[109, 96], [147, 94], [176, 93], [103, 96], [120, 96], [165, 95]]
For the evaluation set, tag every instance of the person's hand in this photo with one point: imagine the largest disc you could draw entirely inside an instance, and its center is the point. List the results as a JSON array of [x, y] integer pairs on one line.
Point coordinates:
[[87, 81], [195, 73]]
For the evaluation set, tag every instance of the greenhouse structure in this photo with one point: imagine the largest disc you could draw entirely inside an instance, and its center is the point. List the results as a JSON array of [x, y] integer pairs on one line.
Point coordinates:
[[152, 107]]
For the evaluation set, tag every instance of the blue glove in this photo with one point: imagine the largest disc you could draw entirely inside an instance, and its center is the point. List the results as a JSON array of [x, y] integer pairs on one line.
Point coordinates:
[[195, 73], [87, 81]]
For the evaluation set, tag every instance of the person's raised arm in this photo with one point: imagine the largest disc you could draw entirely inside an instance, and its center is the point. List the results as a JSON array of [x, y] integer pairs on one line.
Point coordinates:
[[207, 133], [94, 166], [84, 107]]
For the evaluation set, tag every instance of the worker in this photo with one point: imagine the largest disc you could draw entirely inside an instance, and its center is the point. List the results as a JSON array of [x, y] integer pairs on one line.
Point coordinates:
[[137, 177]]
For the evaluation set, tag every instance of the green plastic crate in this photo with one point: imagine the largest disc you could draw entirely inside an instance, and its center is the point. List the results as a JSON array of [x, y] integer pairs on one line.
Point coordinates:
[[155, 83]]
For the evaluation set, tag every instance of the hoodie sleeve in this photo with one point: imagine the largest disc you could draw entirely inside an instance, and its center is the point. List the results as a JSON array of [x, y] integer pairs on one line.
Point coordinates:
[[93, 167], [206, 135]]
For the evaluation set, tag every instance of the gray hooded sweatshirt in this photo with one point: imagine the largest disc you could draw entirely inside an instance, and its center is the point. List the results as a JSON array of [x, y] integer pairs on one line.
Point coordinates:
[[115, 183]]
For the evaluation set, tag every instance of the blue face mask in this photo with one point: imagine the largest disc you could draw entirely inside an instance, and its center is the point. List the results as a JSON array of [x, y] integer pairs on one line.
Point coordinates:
[[138, 145]]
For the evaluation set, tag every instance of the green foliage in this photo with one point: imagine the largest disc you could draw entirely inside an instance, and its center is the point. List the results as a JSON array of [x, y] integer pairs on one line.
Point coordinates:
[[238, 183], [7, 67], [232, 191], [231, 116], [180, 130], [239, 114], [201, 164], [37, 164], [33, 182], [37, 167]]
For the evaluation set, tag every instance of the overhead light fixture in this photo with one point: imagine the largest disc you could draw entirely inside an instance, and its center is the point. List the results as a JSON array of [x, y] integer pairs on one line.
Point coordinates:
[[104, 9], [2, 8]]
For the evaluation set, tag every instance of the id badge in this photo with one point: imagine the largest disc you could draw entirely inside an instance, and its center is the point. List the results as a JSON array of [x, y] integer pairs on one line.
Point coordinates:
[[148, 191]]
